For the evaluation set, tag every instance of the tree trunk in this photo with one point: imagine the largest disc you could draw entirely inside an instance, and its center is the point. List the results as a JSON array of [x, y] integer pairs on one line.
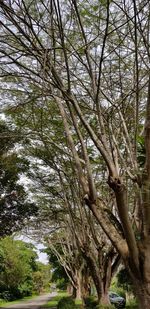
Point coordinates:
[[143, 294], [77, 289], [105, 284], [69, 288], [86, 285], [96, 276], [105, 298]]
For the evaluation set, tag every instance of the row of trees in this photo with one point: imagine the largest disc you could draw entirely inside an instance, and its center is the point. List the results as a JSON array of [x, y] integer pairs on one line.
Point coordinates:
[[20, 272], [75, 81], [16, 209]]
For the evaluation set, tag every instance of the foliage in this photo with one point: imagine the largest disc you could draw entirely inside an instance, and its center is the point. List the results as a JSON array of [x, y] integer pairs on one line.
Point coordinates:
[[66, 303], [132, 304], [15, 208], [90, 67], [18, 264], [53, 302], [59, 275], [90, 302], [141, 156], [41, 278], [124, 280]]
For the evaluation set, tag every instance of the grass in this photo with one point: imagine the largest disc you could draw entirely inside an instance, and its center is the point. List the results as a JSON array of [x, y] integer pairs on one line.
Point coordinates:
[[78, 303], [7, 303], [132, 305], [54, 301]]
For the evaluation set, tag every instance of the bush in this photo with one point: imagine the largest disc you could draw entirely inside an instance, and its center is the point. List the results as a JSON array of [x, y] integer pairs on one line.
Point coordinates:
[[66, 303], [6, 295], [120, 291], [90, 302]]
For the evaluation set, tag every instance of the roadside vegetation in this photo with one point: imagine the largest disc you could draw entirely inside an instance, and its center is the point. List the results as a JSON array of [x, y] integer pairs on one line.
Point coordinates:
[[64, 301], [21, 275], [4, 303]]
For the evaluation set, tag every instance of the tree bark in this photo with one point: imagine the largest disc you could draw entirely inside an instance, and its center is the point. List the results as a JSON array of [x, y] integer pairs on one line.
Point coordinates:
[[77, 289], [86, 284], [95, 274], [142, 291]]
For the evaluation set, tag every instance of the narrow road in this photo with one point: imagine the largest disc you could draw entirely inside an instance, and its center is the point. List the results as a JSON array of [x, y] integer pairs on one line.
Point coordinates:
[[35, 303]]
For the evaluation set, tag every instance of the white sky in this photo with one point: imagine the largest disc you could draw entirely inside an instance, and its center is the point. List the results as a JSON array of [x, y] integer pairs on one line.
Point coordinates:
[[42, 257]]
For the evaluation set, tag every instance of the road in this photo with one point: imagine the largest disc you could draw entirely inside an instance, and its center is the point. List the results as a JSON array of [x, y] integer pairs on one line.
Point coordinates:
[[35, 303]]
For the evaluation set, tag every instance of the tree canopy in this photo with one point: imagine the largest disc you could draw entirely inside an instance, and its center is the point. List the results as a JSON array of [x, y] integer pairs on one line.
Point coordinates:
[[75, 80]]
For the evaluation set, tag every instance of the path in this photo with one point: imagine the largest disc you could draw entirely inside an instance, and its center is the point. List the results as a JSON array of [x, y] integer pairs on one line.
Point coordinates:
[[35, 303]]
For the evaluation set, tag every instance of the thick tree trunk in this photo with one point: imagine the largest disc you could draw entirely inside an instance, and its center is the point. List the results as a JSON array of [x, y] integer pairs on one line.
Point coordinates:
[[105, 284], [86, 286], [77, 289], [105, 298], [143, 295]]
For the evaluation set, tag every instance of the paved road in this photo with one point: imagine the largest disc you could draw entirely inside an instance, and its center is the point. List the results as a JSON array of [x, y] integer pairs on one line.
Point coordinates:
[[35, 303]]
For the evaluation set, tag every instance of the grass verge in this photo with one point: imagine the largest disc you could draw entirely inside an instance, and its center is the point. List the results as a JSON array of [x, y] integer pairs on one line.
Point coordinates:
[[7, 303], [54, 301]]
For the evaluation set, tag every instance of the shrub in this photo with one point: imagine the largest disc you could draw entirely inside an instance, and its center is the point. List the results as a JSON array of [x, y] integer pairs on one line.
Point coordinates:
[[120, 291], [66, 303], [6, 295], [90, 302]]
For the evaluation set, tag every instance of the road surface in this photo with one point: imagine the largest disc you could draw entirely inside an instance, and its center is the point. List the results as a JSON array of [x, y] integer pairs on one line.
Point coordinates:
[[35, 303]]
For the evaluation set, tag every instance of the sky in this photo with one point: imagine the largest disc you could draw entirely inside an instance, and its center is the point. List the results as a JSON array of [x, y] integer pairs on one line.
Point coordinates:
[[42, 257]]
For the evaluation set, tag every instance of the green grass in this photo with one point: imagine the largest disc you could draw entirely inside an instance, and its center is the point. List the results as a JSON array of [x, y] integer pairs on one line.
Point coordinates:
[[132, 304], [78, 303], [7, 303], [54, 301]]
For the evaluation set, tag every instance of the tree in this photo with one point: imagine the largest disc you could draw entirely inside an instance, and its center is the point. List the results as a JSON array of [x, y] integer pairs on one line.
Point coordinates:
[[93, 62], [15, 207], [41, 277], [83, 244], [18, 262], [59, 276]]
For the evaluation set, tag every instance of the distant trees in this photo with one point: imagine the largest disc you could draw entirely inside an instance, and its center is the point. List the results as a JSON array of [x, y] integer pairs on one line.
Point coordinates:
[[42, 277], [15, 207], [19, 270]]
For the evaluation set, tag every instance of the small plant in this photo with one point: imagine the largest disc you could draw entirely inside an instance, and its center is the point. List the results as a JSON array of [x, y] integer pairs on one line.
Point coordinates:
[[66, 303]]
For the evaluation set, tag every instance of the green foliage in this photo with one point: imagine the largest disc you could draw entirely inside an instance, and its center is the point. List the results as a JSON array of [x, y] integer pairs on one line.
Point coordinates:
[[17, 263], [53, 302], [59, 275], [141, 151], [90, 302], [132, 304], [38, 281], [44, 274], [124, 281], [14, 205], [66, 303]]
